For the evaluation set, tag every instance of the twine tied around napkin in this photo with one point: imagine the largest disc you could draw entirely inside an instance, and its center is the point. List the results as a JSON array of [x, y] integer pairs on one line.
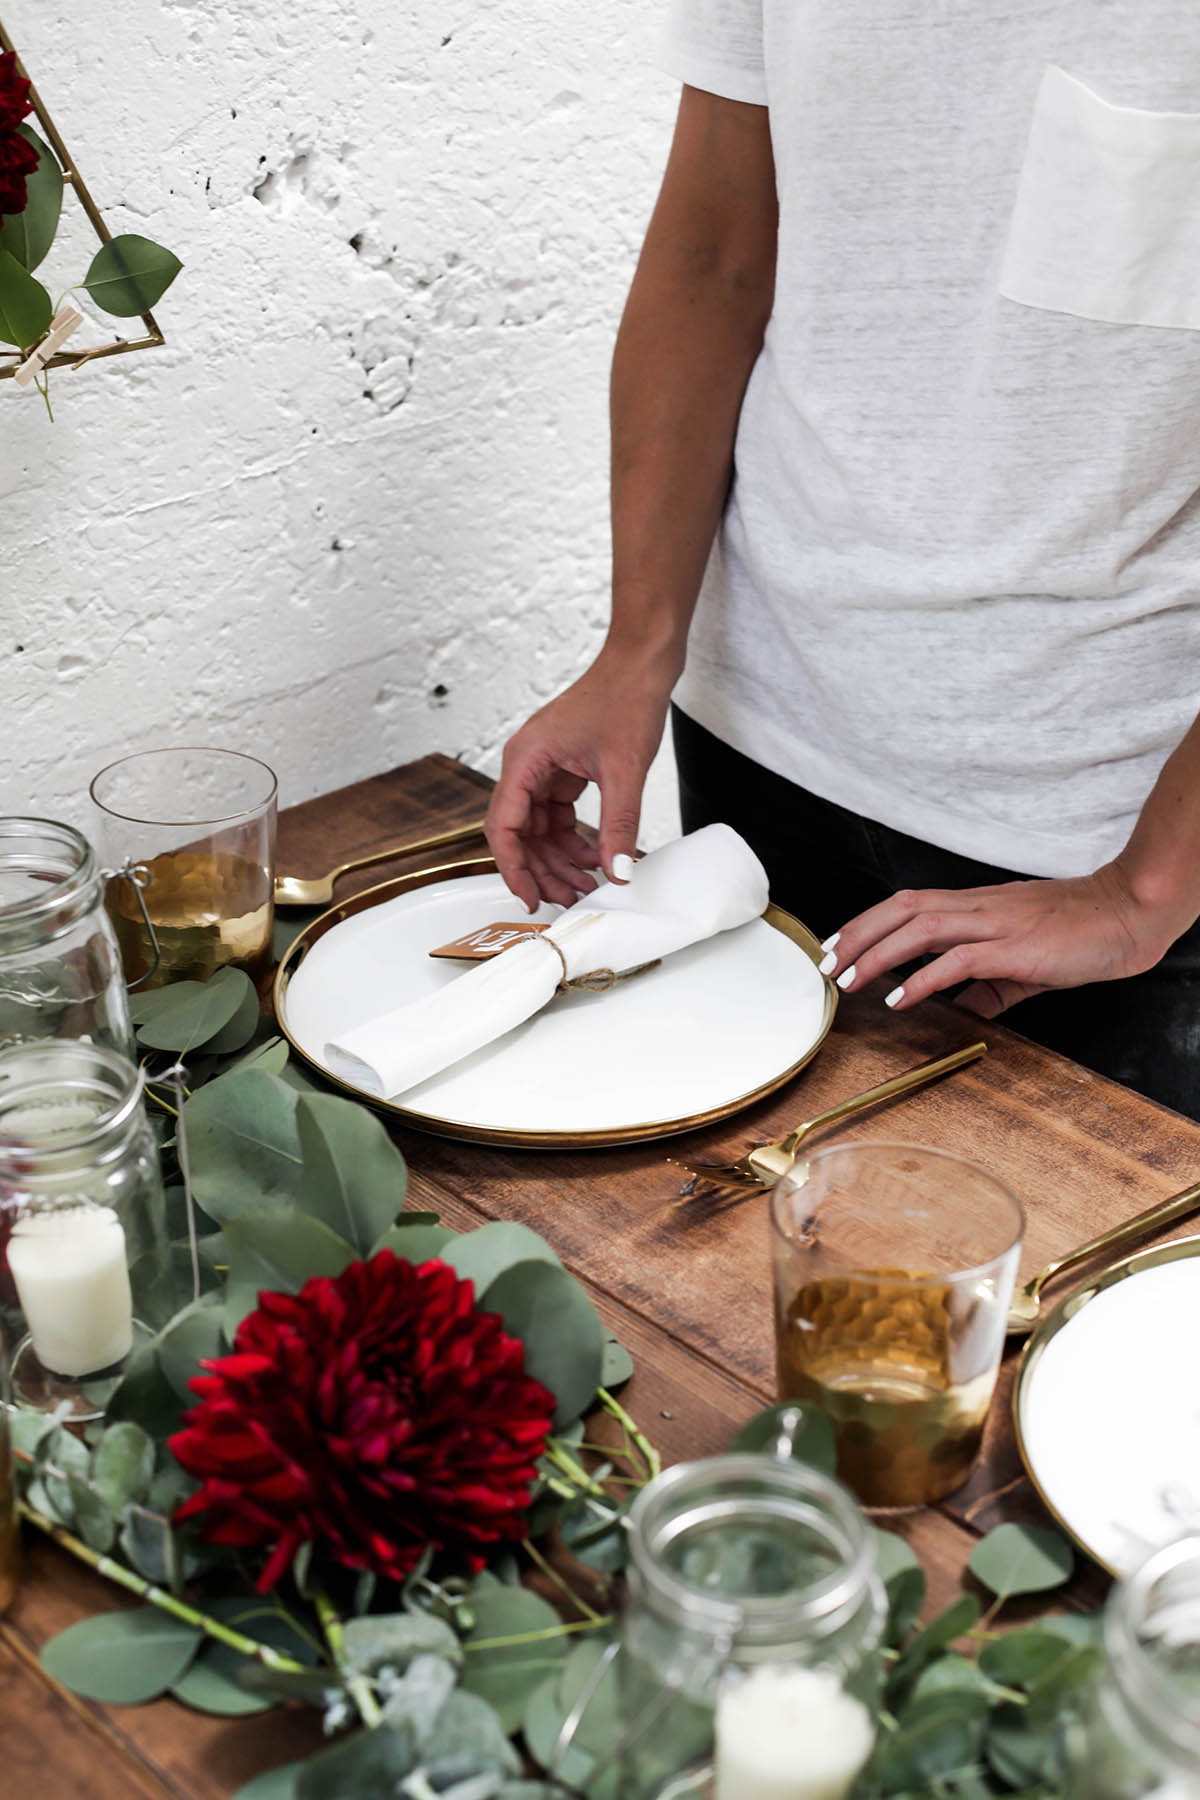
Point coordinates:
[[599, 981]]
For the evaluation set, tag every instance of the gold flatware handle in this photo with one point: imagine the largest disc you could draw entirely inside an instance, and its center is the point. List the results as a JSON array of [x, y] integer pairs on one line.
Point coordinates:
[[286, 885], [1142, 1225], [886, 1090]]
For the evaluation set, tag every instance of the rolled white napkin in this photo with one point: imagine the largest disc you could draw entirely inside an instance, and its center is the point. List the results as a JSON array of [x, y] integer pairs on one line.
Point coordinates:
[[685, 892]]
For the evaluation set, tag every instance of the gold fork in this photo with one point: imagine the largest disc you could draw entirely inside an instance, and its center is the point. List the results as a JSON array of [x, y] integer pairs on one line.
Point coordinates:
[[1026, 1307], [317, 890], [762, 1168]]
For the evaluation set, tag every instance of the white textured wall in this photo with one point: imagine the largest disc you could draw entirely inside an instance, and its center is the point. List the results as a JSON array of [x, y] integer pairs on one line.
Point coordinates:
[[357, 509]]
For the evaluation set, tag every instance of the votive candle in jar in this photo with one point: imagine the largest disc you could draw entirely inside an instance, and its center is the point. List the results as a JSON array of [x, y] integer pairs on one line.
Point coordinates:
[[747, 1573], [81, 1192]]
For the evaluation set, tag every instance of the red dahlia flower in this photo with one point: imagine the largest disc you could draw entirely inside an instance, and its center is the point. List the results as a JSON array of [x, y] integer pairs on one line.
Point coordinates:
[[374, 1413], [18, 158]]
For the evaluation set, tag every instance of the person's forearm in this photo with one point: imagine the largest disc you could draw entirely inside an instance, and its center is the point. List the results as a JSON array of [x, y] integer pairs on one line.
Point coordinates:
[[692, 329], [1161, 861]]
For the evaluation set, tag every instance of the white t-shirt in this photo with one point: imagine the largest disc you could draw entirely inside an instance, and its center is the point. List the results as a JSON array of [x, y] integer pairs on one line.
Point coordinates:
[[957, 587]]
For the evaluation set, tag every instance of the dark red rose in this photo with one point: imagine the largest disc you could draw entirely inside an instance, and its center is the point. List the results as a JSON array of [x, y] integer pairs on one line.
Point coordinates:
[[374, 1413], [18, 158]]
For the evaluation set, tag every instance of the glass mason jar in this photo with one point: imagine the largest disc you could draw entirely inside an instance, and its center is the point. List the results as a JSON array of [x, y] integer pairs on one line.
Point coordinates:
[[1140, 1735], [10, 1537], [81, 1220], [737, 1563], [60, 970]]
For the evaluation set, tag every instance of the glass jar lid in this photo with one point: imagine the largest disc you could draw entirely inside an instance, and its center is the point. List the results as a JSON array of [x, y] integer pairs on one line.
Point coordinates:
[[752, 1548]]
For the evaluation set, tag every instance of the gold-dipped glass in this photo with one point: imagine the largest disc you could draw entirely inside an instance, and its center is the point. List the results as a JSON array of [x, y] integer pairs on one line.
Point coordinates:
[[894, 1270], [202, 823]]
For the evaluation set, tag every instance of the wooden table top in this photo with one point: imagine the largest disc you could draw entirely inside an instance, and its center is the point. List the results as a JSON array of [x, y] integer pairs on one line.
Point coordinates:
[[685, 1287]]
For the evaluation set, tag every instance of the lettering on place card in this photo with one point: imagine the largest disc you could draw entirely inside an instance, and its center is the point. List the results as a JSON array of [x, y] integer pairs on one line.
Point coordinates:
[[489, 940]]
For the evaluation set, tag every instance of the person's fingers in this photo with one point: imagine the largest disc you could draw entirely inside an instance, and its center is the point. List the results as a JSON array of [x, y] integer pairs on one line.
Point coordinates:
[[555, 859], [506, 824], [551, 885], [564, 831], [893, 914], [996, 964], [620, 810], [988, 999], [925, 935]]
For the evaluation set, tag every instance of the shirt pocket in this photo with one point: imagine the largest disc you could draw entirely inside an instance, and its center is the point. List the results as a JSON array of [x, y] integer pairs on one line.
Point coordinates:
[[1107, 219]]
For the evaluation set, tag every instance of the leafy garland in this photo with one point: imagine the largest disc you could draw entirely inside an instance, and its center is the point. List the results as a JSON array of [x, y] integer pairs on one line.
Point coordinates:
[[424, 1683], [127, 276]]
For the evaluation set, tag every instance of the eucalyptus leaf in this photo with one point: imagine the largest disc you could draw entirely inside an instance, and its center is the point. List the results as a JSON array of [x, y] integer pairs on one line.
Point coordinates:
[[211, 1685], [958, 1618], [417, 1700], [937, 1745], [274, 1784], [353, 1176], [483, 1255], [1063, 1682], [617, 1367], [395, 1638], [121, 1658], [130, 274], [145, 1396], [271, 1057], [25, 306], [1022, 1559], [544, 1717], [276, 1251], [94, 1520], [416, 1243], [505, 1674], [600, 1724], [1023, 1754], [189, 1014], [243, 1025], [601, 1545], [194, 1334], [812, 1440], [368, 1765], [554, 1318], [243, 1144], [1019, 1658], [28, 235], [468, 1737]]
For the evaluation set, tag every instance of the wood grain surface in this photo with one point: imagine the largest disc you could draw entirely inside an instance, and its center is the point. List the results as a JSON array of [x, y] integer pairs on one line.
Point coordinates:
[[683, 1283]]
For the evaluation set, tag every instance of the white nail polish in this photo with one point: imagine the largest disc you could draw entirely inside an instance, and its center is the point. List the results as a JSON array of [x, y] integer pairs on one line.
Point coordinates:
[[895, 997], [831, 943], [847, 976], [623, 867], [828, 964]]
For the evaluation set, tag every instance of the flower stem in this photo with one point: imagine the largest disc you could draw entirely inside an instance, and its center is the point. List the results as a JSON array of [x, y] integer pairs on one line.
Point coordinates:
[[537, 1637], [357, 1685], [649, 1454], [145, 1590], [563, 1586]]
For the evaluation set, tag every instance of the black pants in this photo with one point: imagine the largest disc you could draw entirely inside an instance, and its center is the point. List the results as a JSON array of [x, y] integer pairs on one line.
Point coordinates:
[[826, 865]]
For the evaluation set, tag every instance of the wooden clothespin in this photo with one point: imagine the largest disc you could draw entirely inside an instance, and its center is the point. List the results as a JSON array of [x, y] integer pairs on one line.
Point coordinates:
[[65, 321]]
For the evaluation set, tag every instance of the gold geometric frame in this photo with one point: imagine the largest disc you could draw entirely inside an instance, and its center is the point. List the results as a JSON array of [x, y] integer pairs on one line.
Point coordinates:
[[74, 180]]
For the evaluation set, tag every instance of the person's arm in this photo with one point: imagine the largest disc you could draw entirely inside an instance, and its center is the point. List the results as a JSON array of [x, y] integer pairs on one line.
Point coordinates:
[[1023, 937], [692, 329]]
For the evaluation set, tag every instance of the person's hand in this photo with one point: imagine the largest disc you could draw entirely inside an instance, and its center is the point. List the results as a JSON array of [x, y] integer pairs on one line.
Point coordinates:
[[605, 728], [1008, 942]]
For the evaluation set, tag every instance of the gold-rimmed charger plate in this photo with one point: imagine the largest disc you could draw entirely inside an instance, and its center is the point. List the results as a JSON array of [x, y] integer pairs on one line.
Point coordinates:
[[1107, 1409], [712, 1030]]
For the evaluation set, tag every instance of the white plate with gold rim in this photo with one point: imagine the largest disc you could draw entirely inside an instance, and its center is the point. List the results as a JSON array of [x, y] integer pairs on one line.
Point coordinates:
[[1107, 1406], [707, 1032]]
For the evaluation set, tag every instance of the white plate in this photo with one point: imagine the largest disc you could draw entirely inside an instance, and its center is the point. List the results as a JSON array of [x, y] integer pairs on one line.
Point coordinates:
[[1108, 1409], [709, 1030]]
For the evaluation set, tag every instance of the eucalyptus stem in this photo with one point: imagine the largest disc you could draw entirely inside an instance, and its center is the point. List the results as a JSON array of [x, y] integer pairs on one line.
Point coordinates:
[[357, 1685], [563, 1586], [146, 1590], [561, 1457], [649, 1454], [547, 1633]]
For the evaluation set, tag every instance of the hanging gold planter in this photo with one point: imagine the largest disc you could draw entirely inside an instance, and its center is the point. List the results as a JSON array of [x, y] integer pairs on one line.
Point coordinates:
[[37, 357]]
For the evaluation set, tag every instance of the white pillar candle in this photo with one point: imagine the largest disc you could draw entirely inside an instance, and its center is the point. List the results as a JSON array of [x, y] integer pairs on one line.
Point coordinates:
[[72, 1279], [789, 1734]]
